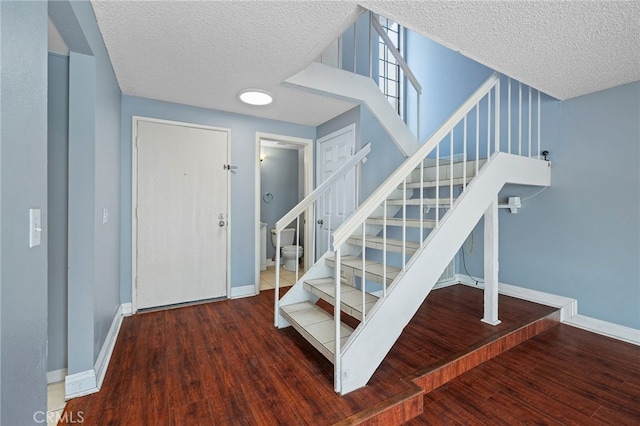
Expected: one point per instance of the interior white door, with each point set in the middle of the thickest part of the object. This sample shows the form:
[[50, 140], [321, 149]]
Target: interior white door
[[339, 202], [181, 214]]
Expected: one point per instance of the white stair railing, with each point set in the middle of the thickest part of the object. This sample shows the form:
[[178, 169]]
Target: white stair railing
[[350, 50], [327, 190], [461, 145]]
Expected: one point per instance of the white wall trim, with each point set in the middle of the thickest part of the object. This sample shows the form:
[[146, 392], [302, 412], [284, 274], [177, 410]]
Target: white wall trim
[[56, 376], [126, 309], [102, 362], [80, 384], [244, 291], [568, 307], [609, 329], [568, 310], [90, 381]]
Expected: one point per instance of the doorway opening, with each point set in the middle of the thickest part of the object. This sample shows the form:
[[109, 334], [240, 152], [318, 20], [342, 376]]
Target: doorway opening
[[283, 177]]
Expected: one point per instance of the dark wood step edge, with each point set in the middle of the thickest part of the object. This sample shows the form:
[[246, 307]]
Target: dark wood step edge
[[408, 404]]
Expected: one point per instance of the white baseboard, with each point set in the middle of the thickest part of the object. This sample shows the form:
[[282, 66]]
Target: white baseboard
[[56, 376], [80, 384], [568, 310], [568, 307], [90, 381], [620, 332], [127, 309], [270, 262], [102, 362], [244, 291]]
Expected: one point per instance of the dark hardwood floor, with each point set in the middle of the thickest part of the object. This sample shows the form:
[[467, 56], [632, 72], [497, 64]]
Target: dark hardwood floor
[[224, 363]]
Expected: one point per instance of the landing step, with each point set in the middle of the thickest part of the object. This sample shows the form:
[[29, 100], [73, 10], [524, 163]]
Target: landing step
[[316, 326], [402, 407], [398, 221], [350, 297], [379, 243], [427, 202], [374, 270]]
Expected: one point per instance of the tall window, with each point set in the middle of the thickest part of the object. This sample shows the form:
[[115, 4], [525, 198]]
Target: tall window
[[388, 67]]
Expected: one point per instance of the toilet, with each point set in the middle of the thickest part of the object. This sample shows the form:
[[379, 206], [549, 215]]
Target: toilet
[[290, 252]]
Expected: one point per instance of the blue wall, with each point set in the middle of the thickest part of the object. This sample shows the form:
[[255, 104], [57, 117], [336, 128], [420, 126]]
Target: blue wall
[[447, 79], [58, 198], [94, 166], [23, 183], [243, 134], [580, 238], [279, 176]]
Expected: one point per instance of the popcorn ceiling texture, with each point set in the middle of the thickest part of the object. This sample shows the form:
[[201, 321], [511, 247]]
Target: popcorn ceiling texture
[[203, 53], [564, 48]]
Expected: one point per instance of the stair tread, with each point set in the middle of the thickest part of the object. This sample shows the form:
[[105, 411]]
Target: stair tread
[[372, 269], [414, 245], [316, 326], [442, 182], [397, 221], [444, 201], [350, 297]]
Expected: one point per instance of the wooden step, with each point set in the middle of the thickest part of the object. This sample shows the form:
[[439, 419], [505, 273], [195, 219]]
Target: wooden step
[[350, 297], [427, 202], [374, 270], [397, 221], [316, 326], [378, 243]]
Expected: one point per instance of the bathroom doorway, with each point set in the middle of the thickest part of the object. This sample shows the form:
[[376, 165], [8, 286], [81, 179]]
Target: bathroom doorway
[[283, 177]]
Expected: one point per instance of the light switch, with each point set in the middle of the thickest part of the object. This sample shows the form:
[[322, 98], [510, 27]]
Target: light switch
[[105, 216], [35, 228]]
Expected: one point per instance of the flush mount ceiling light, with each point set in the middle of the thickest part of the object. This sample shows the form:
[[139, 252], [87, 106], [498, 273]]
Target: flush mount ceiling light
[[255, 97]]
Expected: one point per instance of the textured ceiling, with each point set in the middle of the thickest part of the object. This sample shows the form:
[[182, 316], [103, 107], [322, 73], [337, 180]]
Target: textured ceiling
[[203, 53]]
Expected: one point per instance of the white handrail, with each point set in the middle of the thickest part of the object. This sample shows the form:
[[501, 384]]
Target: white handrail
[[345, 230], [311, 198], [405, 67]]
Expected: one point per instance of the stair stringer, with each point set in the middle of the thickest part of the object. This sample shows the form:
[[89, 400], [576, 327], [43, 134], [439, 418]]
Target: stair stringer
[[330, 81], [371, 341]]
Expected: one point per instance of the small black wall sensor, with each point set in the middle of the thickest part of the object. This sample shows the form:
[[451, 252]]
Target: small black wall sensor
[[545, 154]]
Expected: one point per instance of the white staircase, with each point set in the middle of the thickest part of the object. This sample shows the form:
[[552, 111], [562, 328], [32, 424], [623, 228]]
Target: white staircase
[[387, 257]]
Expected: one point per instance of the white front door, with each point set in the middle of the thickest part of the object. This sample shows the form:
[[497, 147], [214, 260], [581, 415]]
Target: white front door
[[339, 202], [181, 214]]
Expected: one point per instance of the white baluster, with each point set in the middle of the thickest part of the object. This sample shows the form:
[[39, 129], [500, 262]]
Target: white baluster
[[451, 169], [337, 364], [277, 289], [519, 118], [384, 248], [464, 155], [530, 122], [497, 129], [509, 115]]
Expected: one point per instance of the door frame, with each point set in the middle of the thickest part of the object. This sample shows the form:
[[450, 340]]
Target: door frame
[[307, 145], [134, 198]]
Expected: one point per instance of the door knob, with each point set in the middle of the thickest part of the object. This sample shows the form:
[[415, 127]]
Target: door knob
[[320, 222], [221, 223]]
